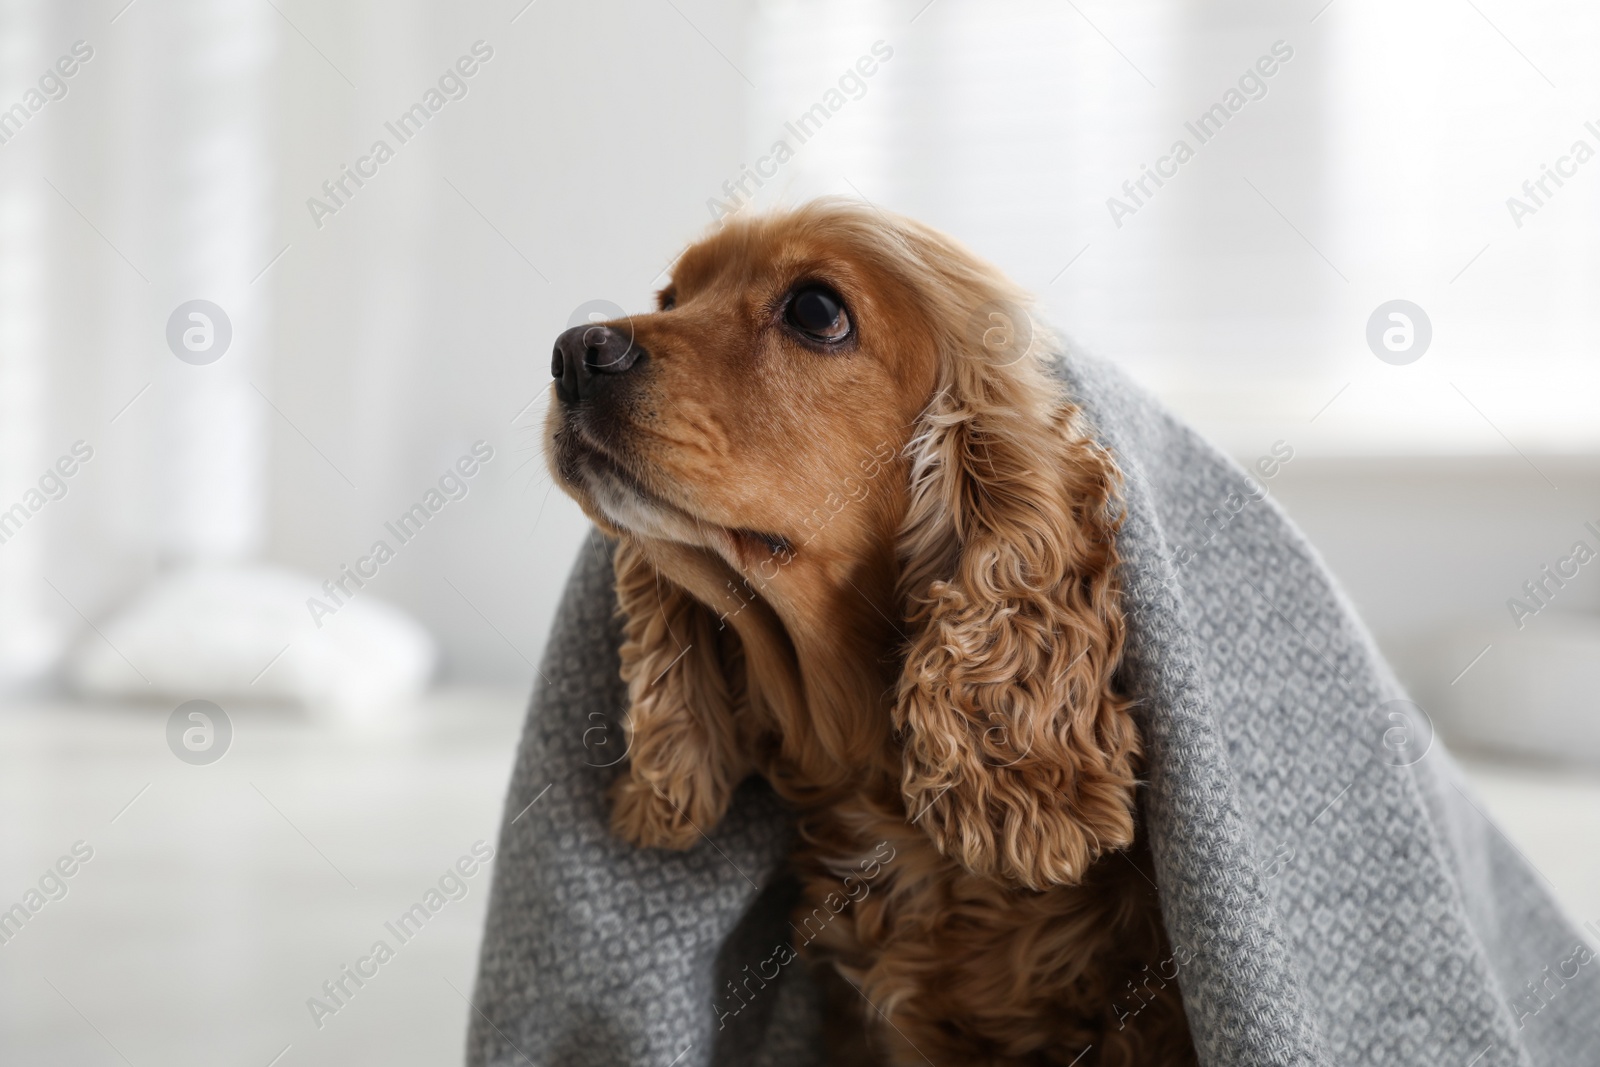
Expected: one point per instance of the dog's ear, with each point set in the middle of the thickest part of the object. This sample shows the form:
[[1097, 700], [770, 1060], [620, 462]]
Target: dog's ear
[[1019, 755], [685, 689]]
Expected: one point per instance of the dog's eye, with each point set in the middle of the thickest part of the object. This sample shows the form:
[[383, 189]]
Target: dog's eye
[[819, 314], [667, 301]]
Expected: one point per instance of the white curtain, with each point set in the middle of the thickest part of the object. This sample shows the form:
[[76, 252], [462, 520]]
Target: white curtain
[[1374, 163], [29, 637], [368, 354]]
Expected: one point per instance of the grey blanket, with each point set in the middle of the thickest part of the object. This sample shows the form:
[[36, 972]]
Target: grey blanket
[[1333, 893]]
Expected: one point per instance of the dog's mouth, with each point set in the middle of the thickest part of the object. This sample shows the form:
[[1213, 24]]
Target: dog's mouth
[[594, 471], [606, 476]]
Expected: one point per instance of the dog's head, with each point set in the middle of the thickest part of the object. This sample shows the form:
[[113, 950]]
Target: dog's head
[[788, 360], [838, 433]]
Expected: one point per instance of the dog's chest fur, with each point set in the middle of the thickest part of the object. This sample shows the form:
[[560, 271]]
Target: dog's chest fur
[[973, 972]]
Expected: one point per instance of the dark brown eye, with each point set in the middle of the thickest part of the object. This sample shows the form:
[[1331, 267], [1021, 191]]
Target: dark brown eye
[[667, 300], [819, 314]]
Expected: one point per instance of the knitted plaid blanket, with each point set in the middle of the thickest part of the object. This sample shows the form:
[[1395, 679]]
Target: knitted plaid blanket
[[1333, 894]]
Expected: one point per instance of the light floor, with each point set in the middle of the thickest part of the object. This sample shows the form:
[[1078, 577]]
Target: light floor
[[222, 898], [225, 895]]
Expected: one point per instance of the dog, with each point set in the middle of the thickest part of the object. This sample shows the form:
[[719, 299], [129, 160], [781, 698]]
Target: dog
[[866, 548]]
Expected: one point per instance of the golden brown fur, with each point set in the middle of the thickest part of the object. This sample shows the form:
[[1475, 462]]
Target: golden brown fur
[[883, 575]]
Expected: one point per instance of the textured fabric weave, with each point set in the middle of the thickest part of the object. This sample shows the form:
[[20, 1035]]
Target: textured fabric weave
[[1338, 900]]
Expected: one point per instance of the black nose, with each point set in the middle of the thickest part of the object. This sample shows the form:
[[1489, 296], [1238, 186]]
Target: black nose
[[586, 353]]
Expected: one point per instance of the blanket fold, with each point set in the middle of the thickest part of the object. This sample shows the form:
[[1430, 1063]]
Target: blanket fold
[[1333, 894]]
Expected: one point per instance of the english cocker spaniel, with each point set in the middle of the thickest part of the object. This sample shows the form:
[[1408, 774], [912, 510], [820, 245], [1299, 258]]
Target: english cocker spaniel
[[866, 549]]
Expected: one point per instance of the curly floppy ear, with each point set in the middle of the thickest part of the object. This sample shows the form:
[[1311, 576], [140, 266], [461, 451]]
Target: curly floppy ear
[[685, 682], [1019, 755]]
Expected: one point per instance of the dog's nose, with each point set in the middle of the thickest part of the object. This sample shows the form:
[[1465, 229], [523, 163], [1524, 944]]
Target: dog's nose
[[586, 353]]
